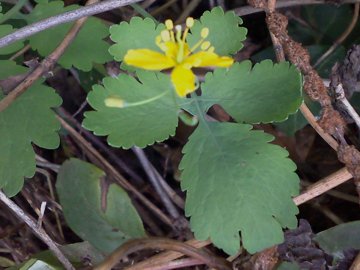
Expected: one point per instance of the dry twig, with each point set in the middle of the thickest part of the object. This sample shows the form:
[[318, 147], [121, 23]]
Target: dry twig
[[150, 171], [247, 10], [162, 243], [20, 214], [66, 17]]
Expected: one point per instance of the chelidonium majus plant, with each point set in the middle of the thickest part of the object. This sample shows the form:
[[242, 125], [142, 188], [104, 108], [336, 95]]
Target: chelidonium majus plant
[[239, 186]]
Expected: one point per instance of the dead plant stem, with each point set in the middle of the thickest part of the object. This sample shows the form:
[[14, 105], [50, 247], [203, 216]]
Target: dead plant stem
[[20, 214], [150, 171], [52, 195], [340, 97], [312, 121], [162, 243], [323, 185], [356, 264], [177, 264], [66, 17], [247, 10], [186, 12], [166, 256]]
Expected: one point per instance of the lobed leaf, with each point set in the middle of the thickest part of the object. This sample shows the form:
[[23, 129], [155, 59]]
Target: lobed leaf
[[139, 125], [297, 121], [105, 222], [265, 93], [29, 119], [87, 48], [238, 183], [4, 30], [225, 34], [143, 34], [9, 68], [340, 238], [79, 254]]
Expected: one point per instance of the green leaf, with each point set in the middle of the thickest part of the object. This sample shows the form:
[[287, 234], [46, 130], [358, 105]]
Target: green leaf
[[25, 266], [4, 30], [225, 34], [339, 238], [297, 121], [29, 119], [320, 24], [139, 125], [88, 79], [294, 123], [10, 68], [106, 228], [328, 22], [77, 254], [87, 48], [315, 51], [5, 262], [265, 93], [237, 182], [39, 265], [324, 68], [288, 266], [137, 34]]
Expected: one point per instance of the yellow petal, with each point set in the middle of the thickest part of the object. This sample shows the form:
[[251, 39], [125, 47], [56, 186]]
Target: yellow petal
[[183, 80], [208, 59], [171, 50], [148, 59]]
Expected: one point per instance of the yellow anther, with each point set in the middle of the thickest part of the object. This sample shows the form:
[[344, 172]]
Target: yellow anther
[[114, 102], [169, 24], [189, 22], [205, 45], [165, 35], [204, 32], [211, 49], [163, 47]]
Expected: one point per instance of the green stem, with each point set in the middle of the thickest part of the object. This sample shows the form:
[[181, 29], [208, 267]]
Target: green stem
[[143, 102], [15, 9], [139, 9], [198, 108]]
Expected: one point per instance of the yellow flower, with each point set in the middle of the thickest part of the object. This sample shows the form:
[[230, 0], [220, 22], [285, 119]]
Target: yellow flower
[[178, 55]]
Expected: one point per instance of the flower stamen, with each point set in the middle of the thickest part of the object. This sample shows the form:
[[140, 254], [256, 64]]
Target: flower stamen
[[189, 24], [211, 49], [170, 26], [165, 35], [205, 45], [178, 55], [204, 34], [159, 42]]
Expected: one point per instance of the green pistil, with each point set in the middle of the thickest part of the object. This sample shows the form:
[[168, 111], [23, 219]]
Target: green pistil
[[180, 55]]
